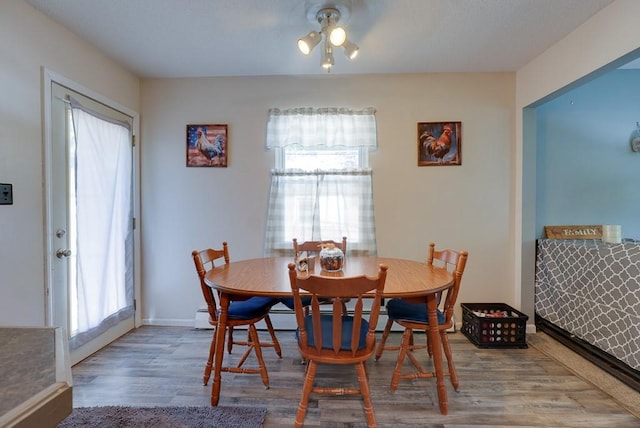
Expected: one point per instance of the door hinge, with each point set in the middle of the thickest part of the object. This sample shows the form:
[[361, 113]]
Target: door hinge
[[134, 304], [134, 223], [133, 140]]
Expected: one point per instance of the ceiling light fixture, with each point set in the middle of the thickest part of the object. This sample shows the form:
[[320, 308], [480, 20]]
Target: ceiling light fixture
[[335, 35]]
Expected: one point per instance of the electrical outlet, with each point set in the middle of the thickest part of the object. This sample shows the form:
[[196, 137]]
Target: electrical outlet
[[6, 194]]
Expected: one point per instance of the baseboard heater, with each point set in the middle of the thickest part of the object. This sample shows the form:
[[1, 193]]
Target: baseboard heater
[[202, 319]]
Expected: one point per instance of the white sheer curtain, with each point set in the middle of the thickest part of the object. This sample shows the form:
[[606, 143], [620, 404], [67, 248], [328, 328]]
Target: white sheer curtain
[[103, 212], [326, 203]]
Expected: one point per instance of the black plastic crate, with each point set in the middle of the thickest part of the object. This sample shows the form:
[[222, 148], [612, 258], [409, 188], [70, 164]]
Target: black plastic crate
[[494, 325]]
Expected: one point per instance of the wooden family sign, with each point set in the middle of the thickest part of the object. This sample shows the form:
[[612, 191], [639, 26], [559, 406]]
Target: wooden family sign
[[573, 232]]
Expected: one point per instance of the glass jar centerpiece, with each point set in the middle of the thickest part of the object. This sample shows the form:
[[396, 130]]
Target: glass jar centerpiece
[[331, 258]]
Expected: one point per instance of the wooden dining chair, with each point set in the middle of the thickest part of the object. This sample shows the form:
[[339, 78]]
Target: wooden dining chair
[[314, 247], [241, 313], [412, 315], [333, 336]]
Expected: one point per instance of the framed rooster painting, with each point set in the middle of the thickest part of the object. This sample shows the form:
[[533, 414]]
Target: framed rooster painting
[[439, 143], [207, 145]]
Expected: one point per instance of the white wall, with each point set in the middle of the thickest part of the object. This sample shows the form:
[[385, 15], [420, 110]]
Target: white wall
[[465, 207], [609, 35], [28, 41]]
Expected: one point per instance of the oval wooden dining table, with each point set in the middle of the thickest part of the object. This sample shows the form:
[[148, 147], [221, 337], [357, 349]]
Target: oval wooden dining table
[[270, 277]]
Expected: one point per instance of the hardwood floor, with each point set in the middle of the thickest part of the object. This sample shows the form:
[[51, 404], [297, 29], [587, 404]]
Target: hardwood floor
[[163, 366]]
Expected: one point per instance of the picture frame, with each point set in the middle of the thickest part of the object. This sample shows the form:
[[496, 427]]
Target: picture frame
[[439, 143], [207, 145]]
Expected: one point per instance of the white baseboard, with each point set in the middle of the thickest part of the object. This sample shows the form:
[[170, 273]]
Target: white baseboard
[[168, 322], [202, 320]]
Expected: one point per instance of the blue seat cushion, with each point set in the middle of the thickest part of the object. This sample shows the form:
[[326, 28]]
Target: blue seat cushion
[[288, 302], [250, 308], [401, 310], [326, 323]]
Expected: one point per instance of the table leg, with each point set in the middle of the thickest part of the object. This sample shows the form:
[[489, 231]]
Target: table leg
[[221, 330], [436, 346]]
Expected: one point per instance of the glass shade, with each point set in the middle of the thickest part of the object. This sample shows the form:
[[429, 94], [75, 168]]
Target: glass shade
[[308, 42], [327, 60], [327, 56], [350, 49]]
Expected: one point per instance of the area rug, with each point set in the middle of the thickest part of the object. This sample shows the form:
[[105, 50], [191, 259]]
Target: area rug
[[165, 417]]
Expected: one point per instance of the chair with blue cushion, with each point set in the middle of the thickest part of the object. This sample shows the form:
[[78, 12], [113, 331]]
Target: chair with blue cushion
[[330, 335], [242, 313], [312, 248], [412, 315]]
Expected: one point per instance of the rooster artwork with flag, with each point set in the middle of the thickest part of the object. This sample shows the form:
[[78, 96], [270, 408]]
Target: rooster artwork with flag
[[207, 145], [439, 143]]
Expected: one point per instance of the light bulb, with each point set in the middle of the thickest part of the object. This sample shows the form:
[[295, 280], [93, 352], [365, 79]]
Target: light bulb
[[337, 36]]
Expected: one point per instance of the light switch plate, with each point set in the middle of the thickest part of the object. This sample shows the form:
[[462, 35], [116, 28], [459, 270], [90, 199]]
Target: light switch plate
[[6, 194]]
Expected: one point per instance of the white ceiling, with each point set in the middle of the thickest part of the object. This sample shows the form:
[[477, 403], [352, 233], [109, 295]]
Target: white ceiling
[[197, 38]]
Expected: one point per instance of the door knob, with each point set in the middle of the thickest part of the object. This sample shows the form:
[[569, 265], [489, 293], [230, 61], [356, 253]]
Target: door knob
[[60, 253]]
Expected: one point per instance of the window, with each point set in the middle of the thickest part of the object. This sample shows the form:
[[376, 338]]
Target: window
[[313, 158], [321, 185]]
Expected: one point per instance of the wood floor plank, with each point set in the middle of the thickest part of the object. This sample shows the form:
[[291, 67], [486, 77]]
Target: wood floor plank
[[163, 366]]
